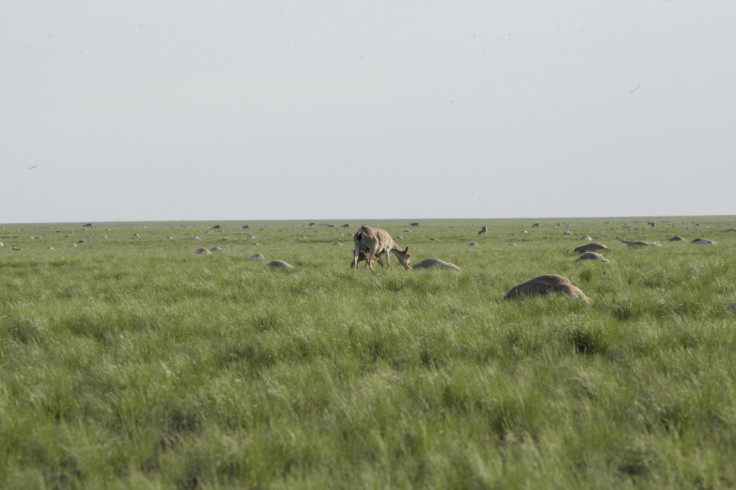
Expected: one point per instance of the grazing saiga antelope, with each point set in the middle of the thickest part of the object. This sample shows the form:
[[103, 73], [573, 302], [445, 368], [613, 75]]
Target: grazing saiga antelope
[[378, 242]]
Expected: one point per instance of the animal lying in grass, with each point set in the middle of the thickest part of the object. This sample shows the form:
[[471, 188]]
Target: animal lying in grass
[[592, 256], [378, 242], [590, 247], [703, 241], [544, 285], [280, 264], [639, 243], [434, 263]]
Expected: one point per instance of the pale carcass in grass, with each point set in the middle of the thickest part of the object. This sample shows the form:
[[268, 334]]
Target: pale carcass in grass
[[590, 247], [592, 256], [639, 243], [378, 242], [280, 264], [434, 263], [703, 241], [544, 285]]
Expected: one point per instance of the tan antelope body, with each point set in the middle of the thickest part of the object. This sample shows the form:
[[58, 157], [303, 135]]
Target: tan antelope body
[[280, 264], [434, 263], [544, 285], [364, 254], [592, 256], [638, 243], [590, 247], [703, 241], [378, 242]]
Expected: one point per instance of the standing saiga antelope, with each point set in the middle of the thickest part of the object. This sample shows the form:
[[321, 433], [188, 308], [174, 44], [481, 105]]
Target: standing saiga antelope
[[378, 242]]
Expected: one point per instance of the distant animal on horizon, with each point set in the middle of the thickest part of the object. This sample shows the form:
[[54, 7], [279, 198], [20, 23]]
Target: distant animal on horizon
[[363, 257], [434, 263], [378, 242], [638, 243], [544, 285]]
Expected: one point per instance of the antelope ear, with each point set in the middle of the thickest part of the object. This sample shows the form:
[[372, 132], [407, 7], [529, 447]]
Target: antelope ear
[[406, 250]]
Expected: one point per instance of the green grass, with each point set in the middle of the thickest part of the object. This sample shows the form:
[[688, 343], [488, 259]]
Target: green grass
[[134, 363]]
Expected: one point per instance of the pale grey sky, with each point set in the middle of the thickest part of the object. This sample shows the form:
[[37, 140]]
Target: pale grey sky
[[217, 110]]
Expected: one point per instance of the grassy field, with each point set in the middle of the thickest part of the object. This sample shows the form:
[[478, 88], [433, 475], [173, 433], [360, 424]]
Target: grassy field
[[129, 361]]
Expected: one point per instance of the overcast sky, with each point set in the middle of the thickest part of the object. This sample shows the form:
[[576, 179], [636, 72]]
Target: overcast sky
[[217, 110]]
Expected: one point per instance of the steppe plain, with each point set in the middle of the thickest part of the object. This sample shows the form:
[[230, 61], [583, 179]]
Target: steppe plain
[[130, 361]]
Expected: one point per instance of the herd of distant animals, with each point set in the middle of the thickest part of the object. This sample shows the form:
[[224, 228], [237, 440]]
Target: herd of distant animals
[[375, 244]]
